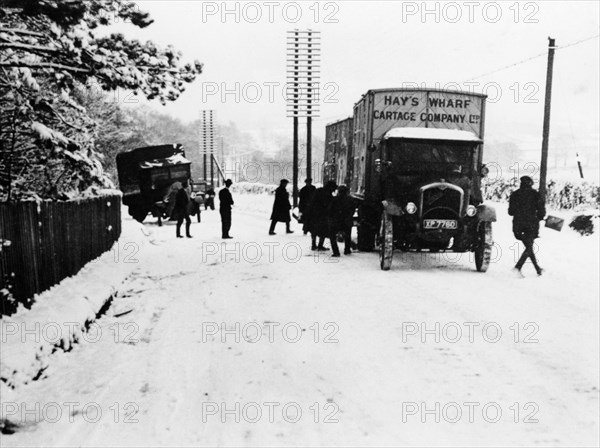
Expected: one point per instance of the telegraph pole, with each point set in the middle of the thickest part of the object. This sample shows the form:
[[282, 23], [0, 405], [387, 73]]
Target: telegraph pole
[[546, 130], [294, 164], [309, 146], [303, 68], [207, 144]]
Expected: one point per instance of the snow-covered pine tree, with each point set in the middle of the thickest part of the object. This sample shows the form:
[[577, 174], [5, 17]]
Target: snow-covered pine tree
[[48, 51]]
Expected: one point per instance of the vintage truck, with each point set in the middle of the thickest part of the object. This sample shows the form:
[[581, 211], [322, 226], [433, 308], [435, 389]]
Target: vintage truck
[[148, 178], [413, 161]]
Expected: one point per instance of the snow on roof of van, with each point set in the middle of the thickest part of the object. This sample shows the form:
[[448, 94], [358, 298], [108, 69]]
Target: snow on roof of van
[[432, 134]]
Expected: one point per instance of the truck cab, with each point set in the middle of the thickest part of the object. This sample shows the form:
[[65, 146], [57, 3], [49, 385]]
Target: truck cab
[[429, 180]]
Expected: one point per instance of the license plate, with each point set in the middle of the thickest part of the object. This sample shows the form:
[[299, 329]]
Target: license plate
[[440, 224]]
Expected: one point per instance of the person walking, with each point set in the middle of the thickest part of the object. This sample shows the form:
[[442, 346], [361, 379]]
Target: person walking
[[341, 219], [317, 215], [305, 196], [527, 209], [225, 203], [181, 210], [281, 208]]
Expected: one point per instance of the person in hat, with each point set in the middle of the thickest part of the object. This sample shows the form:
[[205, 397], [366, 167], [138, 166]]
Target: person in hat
[[281, 208], [318, 223], [305, 196], [225, 203], [341, 219], [181, 210], [527, 209], [210, 198]]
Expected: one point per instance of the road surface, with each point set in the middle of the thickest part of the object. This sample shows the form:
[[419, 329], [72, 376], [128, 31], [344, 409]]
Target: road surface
[[257, 341]]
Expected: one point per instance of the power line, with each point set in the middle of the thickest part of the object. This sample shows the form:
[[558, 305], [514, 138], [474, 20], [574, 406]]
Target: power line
[[533, 57], [578, 42]]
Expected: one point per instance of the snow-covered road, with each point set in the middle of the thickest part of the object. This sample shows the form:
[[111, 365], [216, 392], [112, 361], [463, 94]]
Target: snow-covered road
[[258, 342]]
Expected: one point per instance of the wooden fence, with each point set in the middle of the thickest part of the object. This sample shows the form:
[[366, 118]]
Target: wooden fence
[[41, 243]]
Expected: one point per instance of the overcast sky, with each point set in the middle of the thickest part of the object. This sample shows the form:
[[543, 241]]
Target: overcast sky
[[368, 45]]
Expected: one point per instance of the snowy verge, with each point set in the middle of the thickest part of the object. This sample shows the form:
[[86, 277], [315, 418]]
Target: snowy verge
[[61, 314]]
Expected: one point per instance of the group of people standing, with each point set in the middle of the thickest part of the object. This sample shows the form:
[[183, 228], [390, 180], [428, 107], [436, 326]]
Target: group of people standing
[[324, 215], [320, 212]]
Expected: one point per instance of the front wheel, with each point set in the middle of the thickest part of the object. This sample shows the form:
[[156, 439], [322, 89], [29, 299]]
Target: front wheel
[[386, 249], [483, 251]]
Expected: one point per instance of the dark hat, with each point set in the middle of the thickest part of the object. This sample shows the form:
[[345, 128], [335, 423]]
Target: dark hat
[[228, 182], [527, 180], [284, 181], [307, 180]]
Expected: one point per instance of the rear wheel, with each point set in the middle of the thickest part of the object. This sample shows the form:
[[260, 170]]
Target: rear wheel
[[386, 249], [483, 251]]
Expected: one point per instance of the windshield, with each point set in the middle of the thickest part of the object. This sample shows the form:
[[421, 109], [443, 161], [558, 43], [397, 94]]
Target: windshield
[[439, 156]]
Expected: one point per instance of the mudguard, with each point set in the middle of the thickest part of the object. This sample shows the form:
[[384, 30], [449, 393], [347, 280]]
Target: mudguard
[[486, 213], [391, 208]]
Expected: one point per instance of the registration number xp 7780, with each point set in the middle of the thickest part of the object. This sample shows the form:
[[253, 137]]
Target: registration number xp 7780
[[430, 224]]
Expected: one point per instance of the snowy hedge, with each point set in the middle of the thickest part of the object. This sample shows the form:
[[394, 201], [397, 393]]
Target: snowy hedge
[[560, 195]]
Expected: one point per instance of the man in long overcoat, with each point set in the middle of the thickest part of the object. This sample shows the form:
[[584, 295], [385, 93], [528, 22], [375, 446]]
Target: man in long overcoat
[[304, 197], [341, 219], [318, 209], [181, 210], [527, 210], [225, 203], [281, 208]]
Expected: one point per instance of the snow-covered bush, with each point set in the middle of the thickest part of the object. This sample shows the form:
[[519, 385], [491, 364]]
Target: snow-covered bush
[[584, 224], [560, 195]]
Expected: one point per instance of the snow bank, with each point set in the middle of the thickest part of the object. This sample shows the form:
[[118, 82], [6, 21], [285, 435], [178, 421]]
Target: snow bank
[[62, 314]]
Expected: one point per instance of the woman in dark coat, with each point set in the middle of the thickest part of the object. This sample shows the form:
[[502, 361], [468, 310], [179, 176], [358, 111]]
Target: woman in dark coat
[[318, 214], [281, 208]]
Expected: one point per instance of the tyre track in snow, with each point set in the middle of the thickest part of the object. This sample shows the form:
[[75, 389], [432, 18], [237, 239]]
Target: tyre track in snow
[[367, 374]]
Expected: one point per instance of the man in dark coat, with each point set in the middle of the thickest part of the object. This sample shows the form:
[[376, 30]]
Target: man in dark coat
[[527, 210], [181, 210], [281, 208], [317, 214], [210, 198], [225, 203], [306, 194], [341, 219]]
